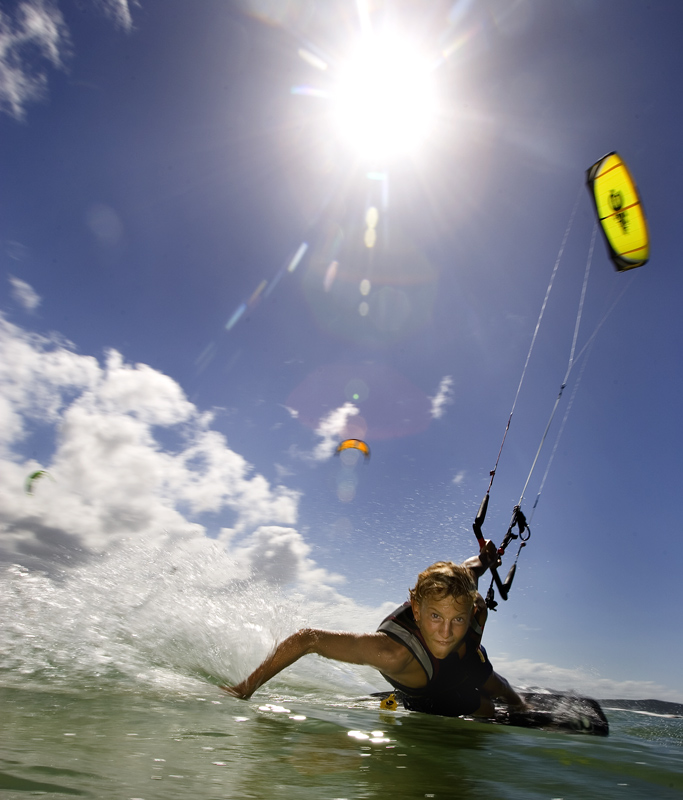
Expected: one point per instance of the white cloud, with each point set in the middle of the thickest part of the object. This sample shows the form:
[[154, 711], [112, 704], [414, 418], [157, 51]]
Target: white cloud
[[332, 428], [16, 250], [141, 391], [36, 33], [283, 472], [36, 379], [459, 477], [442, 398], [118, 10], [279, 556], [524, 672], [37, 26], [24, 294], [112, 477]]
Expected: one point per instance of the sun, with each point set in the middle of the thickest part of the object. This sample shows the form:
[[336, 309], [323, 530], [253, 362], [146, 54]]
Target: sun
[[384, 100]]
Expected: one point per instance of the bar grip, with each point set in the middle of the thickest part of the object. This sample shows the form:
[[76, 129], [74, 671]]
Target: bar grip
[[479, 520], [507, 583]]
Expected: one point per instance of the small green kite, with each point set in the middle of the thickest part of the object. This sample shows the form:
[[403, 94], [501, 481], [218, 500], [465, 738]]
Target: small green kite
[[33, 477]]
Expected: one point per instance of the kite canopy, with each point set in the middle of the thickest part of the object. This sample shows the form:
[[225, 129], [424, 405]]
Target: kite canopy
[[619, 211], [33, 477], [357, 444]]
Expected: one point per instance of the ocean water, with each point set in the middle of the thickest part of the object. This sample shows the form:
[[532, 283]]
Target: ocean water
[[108, 689]]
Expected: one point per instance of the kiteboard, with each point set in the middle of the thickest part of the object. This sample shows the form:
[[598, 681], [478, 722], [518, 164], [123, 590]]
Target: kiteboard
[[551, 711]]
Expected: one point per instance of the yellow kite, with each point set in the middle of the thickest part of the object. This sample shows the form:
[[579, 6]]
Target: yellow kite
[[620, 212]]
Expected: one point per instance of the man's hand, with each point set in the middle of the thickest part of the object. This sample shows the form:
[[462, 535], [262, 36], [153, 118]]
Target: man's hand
[[239, 691], [496, 687], [488, 557]]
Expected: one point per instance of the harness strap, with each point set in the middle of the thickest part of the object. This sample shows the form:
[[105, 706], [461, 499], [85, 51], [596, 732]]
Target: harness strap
[[402, 635]]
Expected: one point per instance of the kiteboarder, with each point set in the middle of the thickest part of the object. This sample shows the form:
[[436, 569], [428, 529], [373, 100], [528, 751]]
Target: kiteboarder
[[428, 649]]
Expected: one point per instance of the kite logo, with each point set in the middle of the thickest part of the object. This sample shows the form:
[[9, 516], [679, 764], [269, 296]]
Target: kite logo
[[616, 200]]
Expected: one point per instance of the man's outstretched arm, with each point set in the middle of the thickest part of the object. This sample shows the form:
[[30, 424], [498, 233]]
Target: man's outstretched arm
[[372, 649]]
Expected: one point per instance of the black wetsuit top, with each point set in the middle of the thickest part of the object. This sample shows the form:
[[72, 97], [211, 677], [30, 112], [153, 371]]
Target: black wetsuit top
[[454, 682]]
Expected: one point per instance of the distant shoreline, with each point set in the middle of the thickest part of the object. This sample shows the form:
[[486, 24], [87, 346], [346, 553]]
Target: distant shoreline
[[648, 706]]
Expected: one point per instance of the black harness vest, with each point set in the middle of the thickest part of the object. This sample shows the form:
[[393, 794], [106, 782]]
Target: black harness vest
[[453, 682]]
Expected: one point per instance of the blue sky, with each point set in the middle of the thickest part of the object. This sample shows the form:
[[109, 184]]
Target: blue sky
[[156, 168]]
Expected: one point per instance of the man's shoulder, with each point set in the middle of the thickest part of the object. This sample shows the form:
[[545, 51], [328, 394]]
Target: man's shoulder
[[397, 656], [403, 615]]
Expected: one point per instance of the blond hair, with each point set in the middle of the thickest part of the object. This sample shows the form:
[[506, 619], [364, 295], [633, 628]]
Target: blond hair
[[445, 579]]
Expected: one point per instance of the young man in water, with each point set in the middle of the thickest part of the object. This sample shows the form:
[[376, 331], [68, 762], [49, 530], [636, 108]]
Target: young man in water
[[429, 648]]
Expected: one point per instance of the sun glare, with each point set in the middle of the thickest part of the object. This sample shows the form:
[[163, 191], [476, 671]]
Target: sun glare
[[384, 100]]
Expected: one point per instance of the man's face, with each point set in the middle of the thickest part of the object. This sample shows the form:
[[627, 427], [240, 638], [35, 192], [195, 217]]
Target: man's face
[[443, 622]]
